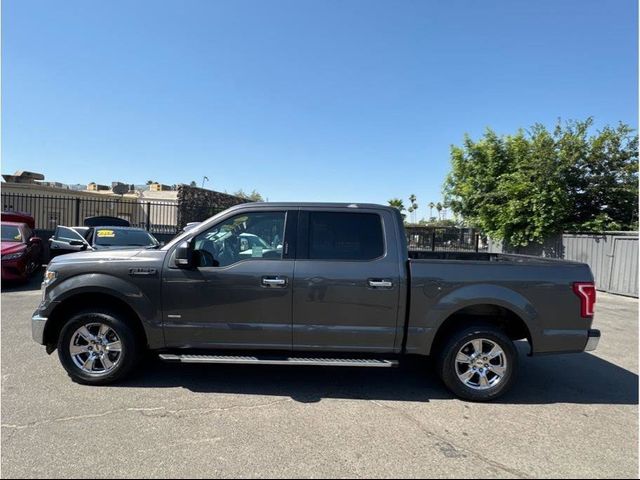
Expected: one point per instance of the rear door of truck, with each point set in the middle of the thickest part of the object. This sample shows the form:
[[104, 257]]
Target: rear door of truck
[[347, 281]]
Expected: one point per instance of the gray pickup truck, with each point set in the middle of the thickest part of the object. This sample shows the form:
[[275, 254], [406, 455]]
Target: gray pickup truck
[[312, 284]]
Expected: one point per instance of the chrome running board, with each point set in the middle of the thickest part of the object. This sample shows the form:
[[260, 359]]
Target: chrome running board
[[251, 360]]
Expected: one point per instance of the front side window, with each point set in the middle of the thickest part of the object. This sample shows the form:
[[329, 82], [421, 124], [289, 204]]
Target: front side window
[[345, 236], [257, 235], [66, 234]]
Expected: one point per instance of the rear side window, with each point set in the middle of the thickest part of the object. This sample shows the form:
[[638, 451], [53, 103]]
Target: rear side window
[[345, 236]]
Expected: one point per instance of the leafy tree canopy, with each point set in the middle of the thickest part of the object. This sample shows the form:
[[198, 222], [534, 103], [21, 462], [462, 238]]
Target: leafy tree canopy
[[254, 196], [521, 188]]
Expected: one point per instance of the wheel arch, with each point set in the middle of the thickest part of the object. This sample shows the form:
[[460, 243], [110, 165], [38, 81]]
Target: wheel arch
[[89, 299], [483, 303]]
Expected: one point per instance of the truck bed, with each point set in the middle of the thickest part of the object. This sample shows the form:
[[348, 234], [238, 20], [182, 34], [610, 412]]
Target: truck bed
[[482, 257], [535, 289]]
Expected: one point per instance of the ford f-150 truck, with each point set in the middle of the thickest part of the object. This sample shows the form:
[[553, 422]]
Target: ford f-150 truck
[[312, 284]]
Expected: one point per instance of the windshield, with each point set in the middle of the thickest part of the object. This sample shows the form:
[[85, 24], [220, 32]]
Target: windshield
[[114, 237], [11, 233]]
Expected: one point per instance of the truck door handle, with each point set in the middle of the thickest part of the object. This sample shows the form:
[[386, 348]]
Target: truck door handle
[[279, 282], [380, 283]]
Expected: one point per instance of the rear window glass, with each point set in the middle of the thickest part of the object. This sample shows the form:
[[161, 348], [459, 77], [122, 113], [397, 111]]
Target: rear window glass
[[345, 236], [114, 237]]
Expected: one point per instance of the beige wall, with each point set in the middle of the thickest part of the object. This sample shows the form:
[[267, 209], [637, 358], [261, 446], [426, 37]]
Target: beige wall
[[63, 209]]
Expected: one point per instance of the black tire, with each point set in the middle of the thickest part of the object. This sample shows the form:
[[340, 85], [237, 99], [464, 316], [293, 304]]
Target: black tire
[[447, 365], [128, 356]]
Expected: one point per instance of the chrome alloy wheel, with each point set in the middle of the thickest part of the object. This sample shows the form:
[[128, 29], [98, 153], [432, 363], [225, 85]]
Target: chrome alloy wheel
[[96, 349], [481, 364]]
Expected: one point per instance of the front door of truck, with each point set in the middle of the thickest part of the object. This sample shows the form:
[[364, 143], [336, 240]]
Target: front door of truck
[[239, 293], [347, 282]]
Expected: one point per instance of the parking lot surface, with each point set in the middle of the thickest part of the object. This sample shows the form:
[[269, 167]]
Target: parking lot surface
[[569, 415]]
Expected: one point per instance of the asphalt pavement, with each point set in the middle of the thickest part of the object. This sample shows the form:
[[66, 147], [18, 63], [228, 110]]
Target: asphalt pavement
[[568, 416]]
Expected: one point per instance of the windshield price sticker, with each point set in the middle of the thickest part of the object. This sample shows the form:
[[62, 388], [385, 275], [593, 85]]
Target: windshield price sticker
[[106, 234]]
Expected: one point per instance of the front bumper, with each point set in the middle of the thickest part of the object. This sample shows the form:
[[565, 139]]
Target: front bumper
[[13, 270], [37, 327], [593, 338]]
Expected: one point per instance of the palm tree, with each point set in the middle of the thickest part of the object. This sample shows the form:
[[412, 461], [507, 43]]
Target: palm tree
[[439, 207], [445, 208], [399, 204], [431, 207], [414, 205]]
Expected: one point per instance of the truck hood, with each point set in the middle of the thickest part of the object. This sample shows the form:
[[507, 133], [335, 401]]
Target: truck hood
[[12, 247], [97, 256]]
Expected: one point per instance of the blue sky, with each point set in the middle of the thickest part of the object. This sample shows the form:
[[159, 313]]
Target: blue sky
[[332, 100]]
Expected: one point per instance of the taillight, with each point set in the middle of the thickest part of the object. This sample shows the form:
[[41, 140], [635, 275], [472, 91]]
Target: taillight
[[586, 292]]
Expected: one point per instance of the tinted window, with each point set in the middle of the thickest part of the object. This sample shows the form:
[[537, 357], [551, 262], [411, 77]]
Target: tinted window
[[245, 236], [114, 237], [11, 233], [345, 236], [66, 234]]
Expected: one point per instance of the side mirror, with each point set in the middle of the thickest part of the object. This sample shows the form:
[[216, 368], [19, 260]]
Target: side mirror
[[78, 243], [184, 255]]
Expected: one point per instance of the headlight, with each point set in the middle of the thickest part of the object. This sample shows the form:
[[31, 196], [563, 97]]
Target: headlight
[[12, 256], [49, 276]]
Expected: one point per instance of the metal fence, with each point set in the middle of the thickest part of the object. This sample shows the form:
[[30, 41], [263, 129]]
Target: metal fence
[[612, 257], [157, 217], [162, 218], [445, 239]]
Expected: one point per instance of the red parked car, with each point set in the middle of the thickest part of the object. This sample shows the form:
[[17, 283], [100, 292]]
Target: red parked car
[[21, 251]]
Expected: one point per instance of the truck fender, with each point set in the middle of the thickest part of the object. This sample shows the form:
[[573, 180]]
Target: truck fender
[[147, 311], [479, 294]]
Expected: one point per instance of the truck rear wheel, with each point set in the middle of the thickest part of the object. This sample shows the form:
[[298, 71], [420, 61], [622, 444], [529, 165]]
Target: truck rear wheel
[[478, 363], [96, 347]]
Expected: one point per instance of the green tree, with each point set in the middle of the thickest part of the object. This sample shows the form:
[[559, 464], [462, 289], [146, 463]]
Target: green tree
[[193, 183], [524, 187], [439, 208], [414, 206], [399, 204], [440, 223], [254, 196], [431, 207]]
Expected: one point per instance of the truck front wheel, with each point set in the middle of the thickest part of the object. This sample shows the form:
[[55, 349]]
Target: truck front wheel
[[478, 363], [96, 347]]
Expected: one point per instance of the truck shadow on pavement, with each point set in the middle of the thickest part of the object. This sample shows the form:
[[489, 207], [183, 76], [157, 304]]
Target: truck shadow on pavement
[[575, 378]]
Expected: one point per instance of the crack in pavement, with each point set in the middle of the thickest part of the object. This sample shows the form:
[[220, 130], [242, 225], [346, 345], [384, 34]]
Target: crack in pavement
[[447, 448], [147, 412]]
